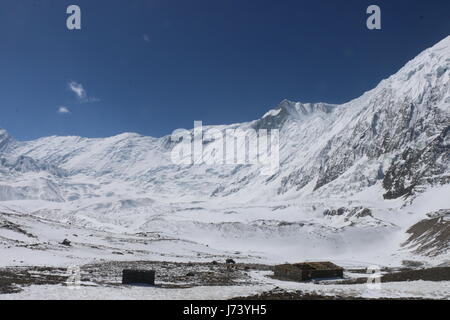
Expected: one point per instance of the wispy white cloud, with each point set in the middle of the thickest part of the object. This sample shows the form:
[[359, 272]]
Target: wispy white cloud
[[146, 37], [78, 89], [63, 110], [80, 92]]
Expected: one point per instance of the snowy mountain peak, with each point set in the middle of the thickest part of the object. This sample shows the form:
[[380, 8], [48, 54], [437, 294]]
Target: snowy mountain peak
[[290, 110], [298, 109], [4, 138], [3, 133]]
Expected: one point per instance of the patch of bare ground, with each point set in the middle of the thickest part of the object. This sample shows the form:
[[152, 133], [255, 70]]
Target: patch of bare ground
[[426, 274], [280, 294], [430, 237], [13, 279], [429, 274], [168, 274], [174, 274]]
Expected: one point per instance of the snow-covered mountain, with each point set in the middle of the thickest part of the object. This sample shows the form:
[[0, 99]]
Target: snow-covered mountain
[[353, 178]]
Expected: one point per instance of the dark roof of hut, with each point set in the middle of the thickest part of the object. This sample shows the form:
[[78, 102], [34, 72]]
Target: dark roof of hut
[[323, 265]]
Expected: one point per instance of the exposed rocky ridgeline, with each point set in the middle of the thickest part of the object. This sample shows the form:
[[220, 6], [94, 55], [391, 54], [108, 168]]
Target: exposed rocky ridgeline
[[357, 212], [415, 168]]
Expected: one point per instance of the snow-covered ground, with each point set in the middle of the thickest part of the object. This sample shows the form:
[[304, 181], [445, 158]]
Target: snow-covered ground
[[410, 289], [286, 231]]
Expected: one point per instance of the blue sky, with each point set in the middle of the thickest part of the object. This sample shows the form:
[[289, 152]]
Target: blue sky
[[151, 66]]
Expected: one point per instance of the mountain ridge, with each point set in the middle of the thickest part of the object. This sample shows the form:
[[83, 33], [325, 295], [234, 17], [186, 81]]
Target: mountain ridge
[[381, 121]]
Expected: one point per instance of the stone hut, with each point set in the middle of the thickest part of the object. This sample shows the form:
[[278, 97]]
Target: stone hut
[[130, 276], [308, 271]]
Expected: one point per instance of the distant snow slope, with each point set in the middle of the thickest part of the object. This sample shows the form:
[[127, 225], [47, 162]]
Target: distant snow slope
[[353, 179]]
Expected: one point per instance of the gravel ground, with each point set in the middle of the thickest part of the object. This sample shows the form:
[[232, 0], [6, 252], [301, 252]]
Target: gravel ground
[[174, 275]]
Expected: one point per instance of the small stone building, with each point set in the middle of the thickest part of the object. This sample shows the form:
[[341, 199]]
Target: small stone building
[[308, 270], [130, 276]]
